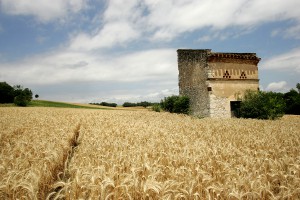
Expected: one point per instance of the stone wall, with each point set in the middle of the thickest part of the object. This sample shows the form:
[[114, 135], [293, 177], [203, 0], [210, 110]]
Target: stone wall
[[224, 91], [230, 88], [219, 107], [192, 67]]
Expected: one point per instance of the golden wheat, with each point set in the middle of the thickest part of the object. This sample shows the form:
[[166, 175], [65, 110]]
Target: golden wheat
[[114, 154]]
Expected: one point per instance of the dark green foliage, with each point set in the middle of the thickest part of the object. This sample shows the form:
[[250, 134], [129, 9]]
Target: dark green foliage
[[262, 105], [176, 104], [6, 93], [21, 100], [182, 105], [28, 94], [143, 103], [16, 94], [108, 104], [105, 104], [167, 103], [292, 100], [128, 104], [22, 96], [298, 87]]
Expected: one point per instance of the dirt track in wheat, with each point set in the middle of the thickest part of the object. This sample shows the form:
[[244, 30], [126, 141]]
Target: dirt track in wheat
[[113, 154]]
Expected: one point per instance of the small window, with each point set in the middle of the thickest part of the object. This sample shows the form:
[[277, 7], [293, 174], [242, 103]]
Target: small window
[[209, 89], [226, 75], [243, 76]]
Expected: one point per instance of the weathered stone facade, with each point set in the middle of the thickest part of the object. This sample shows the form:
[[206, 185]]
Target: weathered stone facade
[[215, 81]]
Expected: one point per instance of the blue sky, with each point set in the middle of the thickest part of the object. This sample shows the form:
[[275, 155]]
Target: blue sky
[[125, 50]]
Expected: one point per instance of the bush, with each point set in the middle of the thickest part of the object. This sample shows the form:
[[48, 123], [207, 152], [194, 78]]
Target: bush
[[181, 105], [21, 100], [176, 104], [168, 103], [262, 105], [156, 107]]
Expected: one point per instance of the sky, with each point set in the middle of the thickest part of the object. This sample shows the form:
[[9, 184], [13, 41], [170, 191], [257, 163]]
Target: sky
[[125, 50]]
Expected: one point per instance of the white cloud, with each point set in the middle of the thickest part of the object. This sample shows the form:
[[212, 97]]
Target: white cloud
[[122, 23], [293, 32], [287, 61], [278, 86], [111, 34], [43, 10], [169, 19], [67, 66], [126, 21]]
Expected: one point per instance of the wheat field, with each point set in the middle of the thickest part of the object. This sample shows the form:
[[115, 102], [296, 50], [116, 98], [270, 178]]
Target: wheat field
[[56, 153]]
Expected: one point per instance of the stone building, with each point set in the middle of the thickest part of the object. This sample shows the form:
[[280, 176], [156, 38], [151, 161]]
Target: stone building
[[215, 82]]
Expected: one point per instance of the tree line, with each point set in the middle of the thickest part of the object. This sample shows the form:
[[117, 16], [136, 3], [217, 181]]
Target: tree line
[[270, 105], [105, 104], [254, 104], [15, 94]]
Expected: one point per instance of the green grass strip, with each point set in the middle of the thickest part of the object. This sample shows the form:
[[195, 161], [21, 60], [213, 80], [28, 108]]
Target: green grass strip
[[43, 103]]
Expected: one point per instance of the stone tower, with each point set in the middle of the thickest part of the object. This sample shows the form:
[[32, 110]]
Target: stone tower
[[214, 81]]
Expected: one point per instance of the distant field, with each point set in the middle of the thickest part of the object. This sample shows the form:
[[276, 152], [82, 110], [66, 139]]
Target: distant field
[[65, 153], [45, 103]]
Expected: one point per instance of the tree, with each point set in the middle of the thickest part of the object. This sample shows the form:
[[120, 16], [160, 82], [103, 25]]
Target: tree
[[27, 93], [292, 100], [6, 93], [22, 96], [108, 104], [262, 105], [298, 87], [176, 104], [129, 104], [182, 105], [21, 100], [168, 103], [145, 104], [16, 94]]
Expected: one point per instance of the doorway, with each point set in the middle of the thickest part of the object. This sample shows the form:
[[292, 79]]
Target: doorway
[[235, 108]]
